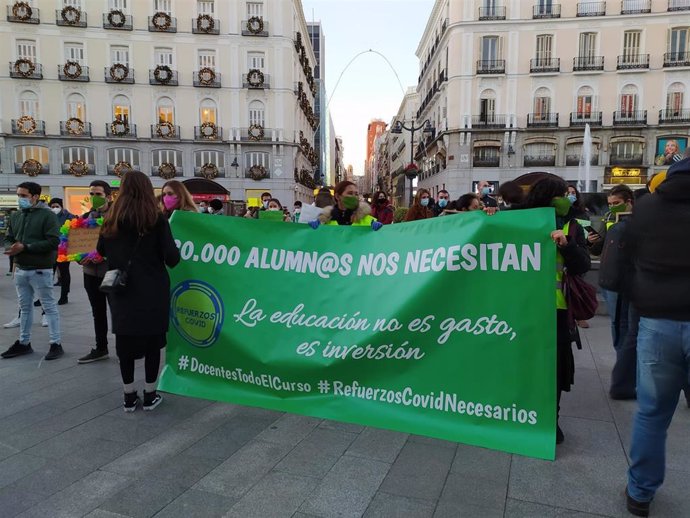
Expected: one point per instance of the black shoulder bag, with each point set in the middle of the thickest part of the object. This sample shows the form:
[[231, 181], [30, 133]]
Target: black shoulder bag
[[115, 281]]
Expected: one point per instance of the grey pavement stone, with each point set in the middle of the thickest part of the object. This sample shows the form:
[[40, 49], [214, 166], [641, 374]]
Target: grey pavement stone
[[181, 469], [290, 429], [385, 505], [520, 509], [347, 489], [13, 501], [100, 513], [328, 424], [197, 503], [6, 451], [450, 510], [420, 471], [374, 443], [18, 466], [432, 441], [317, 453], [277, 495], [591, 401], [480, 462], [53, 476], [463, 490], [144, 497], [672, 498], [235, 476]]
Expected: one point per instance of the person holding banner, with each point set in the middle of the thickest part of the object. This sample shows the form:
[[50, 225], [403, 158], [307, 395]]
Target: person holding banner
[[420, 207], [573, 256], [136, 238], [175, 196], [348, 209]]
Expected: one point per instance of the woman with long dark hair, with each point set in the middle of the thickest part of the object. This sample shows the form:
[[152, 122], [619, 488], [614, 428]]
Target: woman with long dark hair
[[136, 238], [349, 209], [175, 196], [573, 257], [381, 208], [420, 207]]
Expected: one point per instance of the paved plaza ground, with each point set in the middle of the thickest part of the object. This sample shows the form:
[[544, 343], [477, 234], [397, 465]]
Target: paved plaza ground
[[68, 450]]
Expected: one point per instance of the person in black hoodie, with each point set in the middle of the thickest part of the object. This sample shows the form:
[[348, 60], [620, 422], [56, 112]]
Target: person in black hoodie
[[660, 252]]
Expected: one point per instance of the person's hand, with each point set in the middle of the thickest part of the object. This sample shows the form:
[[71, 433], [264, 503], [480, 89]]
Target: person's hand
[[376, 225], [314, 224], [490, 211], [16, 248], [559, 238], [593, 238]]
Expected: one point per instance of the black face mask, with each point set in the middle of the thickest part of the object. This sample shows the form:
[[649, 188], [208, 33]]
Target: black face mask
[[381, 200]]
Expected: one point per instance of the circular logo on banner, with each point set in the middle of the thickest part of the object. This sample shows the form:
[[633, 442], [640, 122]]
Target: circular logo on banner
[[197, 312]]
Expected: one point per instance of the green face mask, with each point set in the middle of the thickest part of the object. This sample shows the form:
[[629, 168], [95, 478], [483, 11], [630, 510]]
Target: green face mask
[[350, 202], [97, 202], [615, 209], [562, 206]]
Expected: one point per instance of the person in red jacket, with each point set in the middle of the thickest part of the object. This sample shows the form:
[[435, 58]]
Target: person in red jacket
[[381, 208]]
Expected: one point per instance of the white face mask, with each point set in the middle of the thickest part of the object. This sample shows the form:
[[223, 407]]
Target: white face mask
[[56, 210], [273, 209]]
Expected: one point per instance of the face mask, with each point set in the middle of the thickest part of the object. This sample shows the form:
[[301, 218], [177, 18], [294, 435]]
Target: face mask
[[615, 209], [350, 202], [382, 200], [24, 203], [210, 210], [265, 204], [202, 209], [486, 191], [572, 198], [442, 202], [170, 201], [273, 209], [562, 206], [424, 202], [97, 202], [297, 211], [56, 210]]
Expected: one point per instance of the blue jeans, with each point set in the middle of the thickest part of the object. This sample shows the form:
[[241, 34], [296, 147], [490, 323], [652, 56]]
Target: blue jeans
[[663, 368], [617, 308], [40, 284]]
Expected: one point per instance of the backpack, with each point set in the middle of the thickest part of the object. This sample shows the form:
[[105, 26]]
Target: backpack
[[580, 295], [615, 268]]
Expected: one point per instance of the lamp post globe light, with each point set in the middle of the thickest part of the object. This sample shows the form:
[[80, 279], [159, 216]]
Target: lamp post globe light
[[412, 170]]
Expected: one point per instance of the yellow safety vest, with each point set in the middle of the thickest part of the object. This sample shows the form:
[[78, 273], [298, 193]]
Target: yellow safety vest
[[560, 267]]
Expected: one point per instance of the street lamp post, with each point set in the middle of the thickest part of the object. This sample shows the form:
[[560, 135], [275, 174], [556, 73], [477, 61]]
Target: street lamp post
[[427, 129]]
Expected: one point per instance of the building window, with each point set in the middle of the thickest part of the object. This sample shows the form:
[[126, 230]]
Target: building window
[[256, 158], [587, 45], [118, 154], [585, 102], [202, 158], [72, 3], [255, 60], [207, 59], [162, 6], [208, 112], [70, 154], [491, 48], [165, 110], [631, 44], [678, 42], [573, 154], [255, 9], [628, 100], [122, 5], [540, 154], [163, 56], [75, 52], [256, 113], [486, 157], [28, 104], [542, 103], [119, 54], [487, 105], [544, 49], [76, 107], [26, 49], [626, 152], [121, 108], [170, 156], [205, 7], [674, 99], [24, 153]]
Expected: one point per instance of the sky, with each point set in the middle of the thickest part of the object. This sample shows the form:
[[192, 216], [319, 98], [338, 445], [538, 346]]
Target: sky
[[368, 88]]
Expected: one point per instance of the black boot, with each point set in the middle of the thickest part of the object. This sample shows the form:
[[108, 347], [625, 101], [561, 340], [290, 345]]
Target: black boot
[[131, 401]]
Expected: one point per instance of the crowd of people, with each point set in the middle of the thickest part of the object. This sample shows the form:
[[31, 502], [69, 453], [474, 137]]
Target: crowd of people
[[645, 278]]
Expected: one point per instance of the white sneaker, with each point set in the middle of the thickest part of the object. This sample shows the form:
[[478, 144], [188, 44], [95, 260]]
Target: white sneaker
[[44, 321], [12, 323]]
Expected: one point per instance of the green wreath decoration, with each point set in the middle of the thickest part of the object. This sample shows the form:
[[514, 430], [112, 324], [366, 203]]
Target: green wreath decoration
[[31, 167], [255, 77], [209, 171], [119, 72], [75, 126], [121, 18], [163, 74], [72, 69], [207, 76], [121, 168], [257, 172], [70, 15], [256, 132], [78, 168], [165, 129], [22, 11], [161, 21], [119, 128], [167, 171], [255, 25], [205, 23], [24, 67], [209, 130]]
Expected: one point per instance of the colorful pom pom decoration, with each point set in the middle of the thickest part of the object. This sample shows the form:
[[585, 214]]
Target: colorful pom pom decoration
[[63, 257]]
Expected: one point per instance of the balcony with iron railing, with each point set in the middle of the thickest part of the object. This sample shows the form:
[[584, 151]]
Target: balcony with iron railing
[[28, 126], [163, 76], [70, 17], [123, 131], [588, 63], [491, 66], [674, 116], [539, 160], [591, 8], [21, 12], [117, 21], [489, 121], [162, 22], [572, 160], [25, 69], [256, 134], [432, 52], [581, 119], [544, 65], [208, 133], [636, 6], [164, 131], [497, 12], [626, 159], [199, 172], [72, 72], [205, 80], [119, 73], [542, 120], [630, 118], [90, 169], [546, 10], [676, 59], [678, 5], [71, 129], [486, 161], [256, 174], [632, 61], [205, 24], [257, 81], [179, 170], [255, 26]]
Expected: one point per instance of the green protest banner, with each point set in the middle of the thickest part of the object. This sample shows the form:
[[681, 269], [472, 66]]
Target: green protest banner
[[443, 327]]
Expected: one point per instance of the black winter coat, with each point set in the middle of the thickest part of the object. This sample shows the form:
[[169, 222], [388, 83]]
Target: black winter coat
[[143, 307], [657, 241]]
